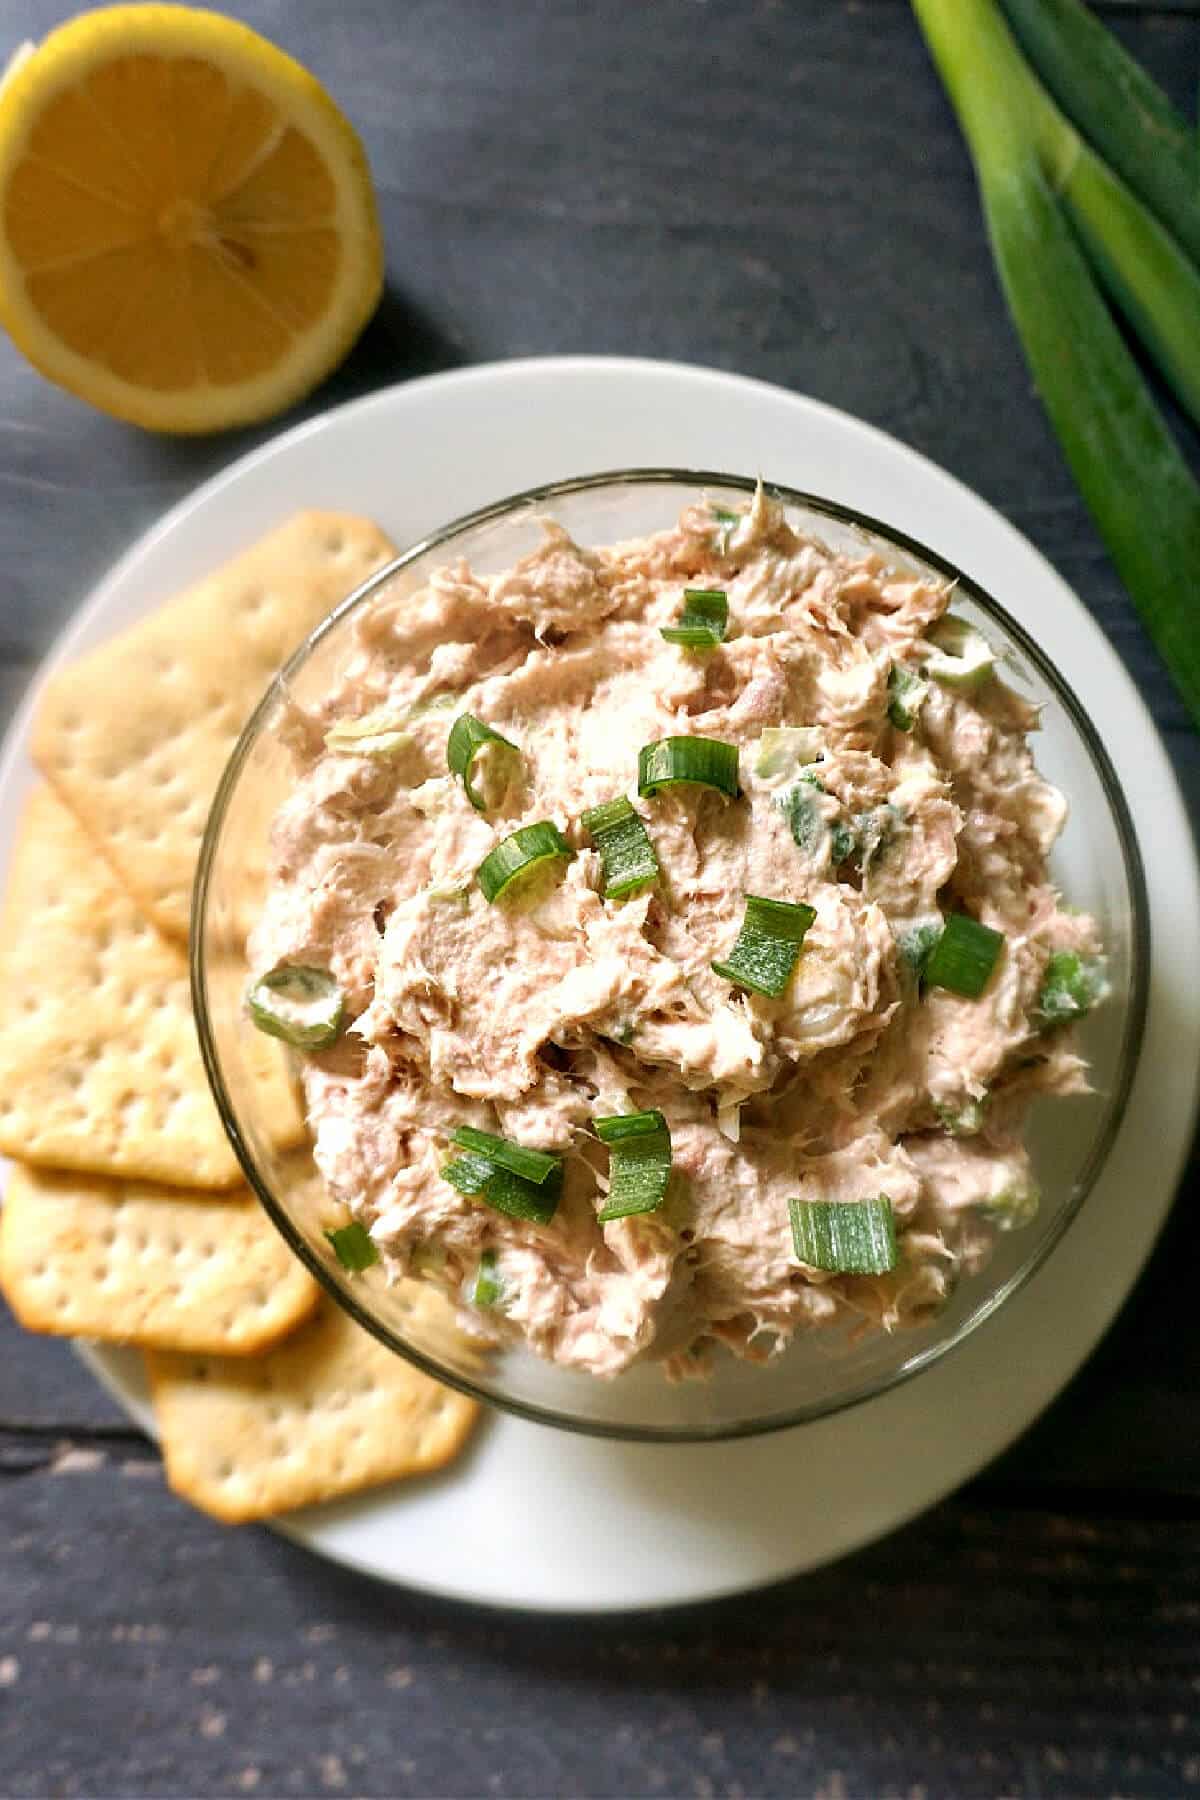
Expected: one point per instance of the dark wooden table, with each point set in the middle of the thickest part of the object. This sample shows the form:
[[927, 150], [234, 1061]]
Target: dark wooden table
[[776, 188]]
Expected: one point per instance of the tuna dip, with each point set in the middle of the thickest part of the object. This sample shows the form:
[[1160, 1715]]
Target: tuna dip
[[667, 934]]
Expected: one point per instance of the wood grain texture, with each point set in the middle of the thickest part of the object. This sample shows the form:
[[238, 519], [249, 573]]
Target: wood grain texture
[[778, 189]]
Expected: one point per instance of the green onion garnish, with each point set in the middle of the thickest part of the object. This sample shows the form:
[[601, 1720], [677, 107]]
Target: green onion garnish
[[537, 1166], [682, 761], [354, 1247], [846, 1237], [488, 1287], [626, 854], [468, 736], [298, 1003], [916, 945], [799, 806], [961, 656], [783, 749], [961, 1121], [1070, 987], [768, 945], [505, 1192], [703, 622], [639, 1163], [964, 956], [728, 522], [517, 856], [906, 696], [377, 734]]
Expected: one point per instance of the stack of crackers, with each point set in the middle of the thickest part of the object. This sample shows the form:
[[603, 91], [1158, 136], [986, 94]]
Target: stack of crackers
[[125, 1219]]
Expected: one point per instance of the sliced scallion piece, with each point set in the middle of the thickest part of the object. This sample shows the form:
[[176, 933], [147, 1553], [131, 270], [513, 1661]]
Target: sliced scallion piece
[[688, 761], [703, 622], [1071, 986], [538, 1166], [961, 1121], [964, 956], [906, 696], [846, 1237], [916, 945], [626, 854], [784, 748], [354, 1247], [468, 736], [727, 523], [488, 1287], [802, 811], [378, 734], [518, 855], [639, 1163], [768, 945], [298, 1003], [961, 656], [503, 1191]]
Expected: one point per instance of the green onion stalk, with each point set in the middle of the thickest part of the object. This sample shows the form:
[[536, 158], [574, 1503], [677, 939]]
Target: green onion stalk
[[1052, 208]]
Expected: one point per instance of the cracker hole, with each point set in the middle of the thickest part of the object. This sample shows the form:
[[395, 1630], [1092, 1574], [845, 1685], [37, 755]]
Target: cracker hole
[[335, 542]]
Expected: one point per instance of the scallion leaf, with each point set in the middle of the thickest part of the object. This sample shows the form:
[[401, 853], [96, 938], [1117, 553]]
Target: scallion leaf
[[1031, 165], [538, 1166], [517, 856], [639, 1163], [1071, 986], [964, 956], [906, 696], [468, 737], [728, 523], [302, 1005], [845, 1237], [503, 1191], [916, 945], [784, 749], [703, 622], [379, 734], [961, 656], [488, 1288], [627, 856], [688, 761], [768, 945], [354, 1247]]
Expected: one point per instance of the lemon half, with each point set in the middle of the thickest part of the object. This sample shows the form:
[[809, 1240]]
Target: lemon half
[[188, 232]]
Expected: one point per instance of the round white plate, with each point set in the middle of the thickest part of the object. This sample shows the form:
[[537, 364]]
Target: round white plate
[[534, 1517]]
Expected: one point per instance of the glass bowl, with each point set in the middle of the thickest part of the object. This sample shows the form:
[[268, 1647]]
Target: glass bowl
[[1095, 864]]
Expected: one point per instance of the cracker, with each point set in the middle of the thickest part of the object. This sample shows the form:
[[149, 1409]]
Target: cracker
[[327, 1413], [100, 1067], [135, 736], [129, 1263]]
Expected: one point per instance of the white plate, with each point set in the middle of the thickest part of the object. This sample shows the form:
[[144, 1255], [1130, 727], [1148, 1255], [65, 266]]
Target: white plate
[[534, 1517]]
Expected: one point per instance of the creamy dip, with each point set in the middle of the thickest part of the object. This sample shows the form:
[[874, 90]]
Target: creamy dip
[[912, 796]]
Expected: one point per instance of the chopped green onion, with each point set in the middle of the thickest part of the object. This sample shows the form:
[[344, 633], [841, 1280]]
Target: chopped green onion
[[873, 832], [1071, 986], [729, 522], [518, 855], [964, 956], [354, 1247], [468, 736], [639, 1163], [804, 816], [783, 749], [1117, 105], [961, 657], [1034, 171], [961, 1121], [302, 1005], [843, 843], [846, 1237], [703, 622], [482, 1179], [917, 944], [378, 734], [764, 957], [538, 1166], [906, 696], [683, 761], [1011, 1207], [627, 856], [488, 1287]]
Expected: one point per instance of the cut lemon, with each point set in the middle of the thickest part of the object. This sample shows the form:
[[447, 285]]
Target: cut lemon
[[188, 233]]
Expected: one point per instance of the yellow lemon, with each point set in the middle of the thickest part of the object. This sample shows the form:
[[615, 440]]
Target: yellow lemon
[[188, 233]]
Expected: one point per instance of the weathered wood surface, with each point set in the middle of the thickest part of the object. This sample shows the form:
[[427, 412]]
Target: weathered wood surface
[[779, 189]]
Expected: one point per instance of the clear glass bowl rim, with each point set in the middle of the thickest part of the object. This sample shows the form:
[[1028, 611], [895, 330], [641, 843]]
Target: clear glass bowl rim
[[699, 479]]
